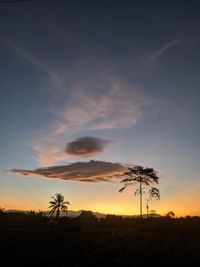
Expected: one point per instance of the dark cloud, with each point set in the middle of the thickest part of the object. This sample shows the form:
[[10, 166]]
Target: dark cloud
[[87, 146], [92, 171]]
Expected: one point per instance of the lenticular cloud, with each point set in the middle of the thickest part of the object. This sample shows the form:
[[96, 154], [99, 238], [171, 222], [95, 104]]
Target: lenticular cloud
[[87, 146], [92, 171]]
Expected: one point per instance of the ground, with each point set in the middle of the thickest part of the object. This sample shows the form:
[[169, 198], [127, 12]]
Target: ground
[[37, 241]]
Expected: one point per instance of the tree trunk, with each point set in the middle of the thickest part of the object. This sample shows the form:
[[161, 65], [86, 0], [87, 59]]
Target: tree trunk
[[147, 208], [140, 199], [57, 213]]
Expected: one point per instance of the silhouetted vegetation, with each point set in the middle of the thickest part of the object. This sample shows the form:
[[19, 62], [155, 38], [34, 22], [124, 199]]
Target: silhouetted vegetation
[[58, 204], [144, 177], [33, 239], [170, 214]]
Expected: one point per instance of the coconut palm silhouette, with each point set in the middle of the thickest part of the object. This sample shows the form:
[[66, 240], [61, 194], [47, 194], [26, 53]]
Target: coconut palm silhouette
[[145, 177], [58, 204]]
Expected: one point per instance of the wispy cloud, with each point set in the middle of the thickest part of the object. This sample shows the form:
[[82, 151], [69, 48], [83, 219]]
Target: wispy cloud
[[163, 49], [47, 154], [52, 75], [92, 171], [113, 105], [96, 101]]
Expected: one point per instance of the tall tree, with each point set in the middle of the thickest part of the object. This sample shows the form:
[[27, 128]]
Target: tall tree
[[58, 204], [145, 177]]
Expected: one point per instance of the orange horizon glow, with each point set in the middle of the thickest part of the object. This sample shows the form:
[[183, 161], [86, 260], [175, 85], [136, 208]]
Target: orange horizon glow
[[109, 209], [83, 196]]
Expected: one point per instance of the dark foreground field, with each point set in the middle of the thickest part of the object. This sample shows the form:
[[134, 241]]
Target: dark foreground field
[[34, 240]]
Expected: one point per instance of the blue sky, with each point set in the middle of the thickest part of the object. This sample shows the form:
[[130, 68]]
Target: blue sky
[[111, 70]]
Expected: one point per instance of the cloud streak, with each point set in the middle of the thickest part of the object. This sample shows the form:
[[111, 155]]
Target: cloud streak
[[53, 77], [48, 155], [92, 171], [163, 49], [105, 103]]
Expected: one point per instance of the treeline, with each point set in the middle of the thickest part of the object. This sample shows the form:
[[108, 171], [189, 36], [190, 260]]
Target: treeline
[[88, 219]]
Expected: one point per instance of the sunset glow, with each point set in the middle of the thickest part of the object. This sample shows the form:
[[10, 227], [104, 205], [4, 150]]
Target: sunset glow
[[89, 89]]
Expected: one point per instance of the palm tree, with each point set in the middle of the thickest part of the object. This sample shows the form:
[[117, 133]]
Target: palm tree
[[143, 176], [58, 204]]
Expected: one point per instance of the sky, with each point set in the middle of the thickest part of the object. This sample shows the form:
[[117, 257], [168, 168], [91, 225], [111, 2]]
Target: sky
[[105, 83]]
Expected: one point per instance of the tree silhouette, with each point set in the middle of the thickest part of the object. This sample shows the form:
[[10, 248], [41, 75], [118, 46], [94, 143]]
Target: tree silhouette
[[145, 177], [153, 193], [87, 217], [170, 214], [2, 210], [58, 204]]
